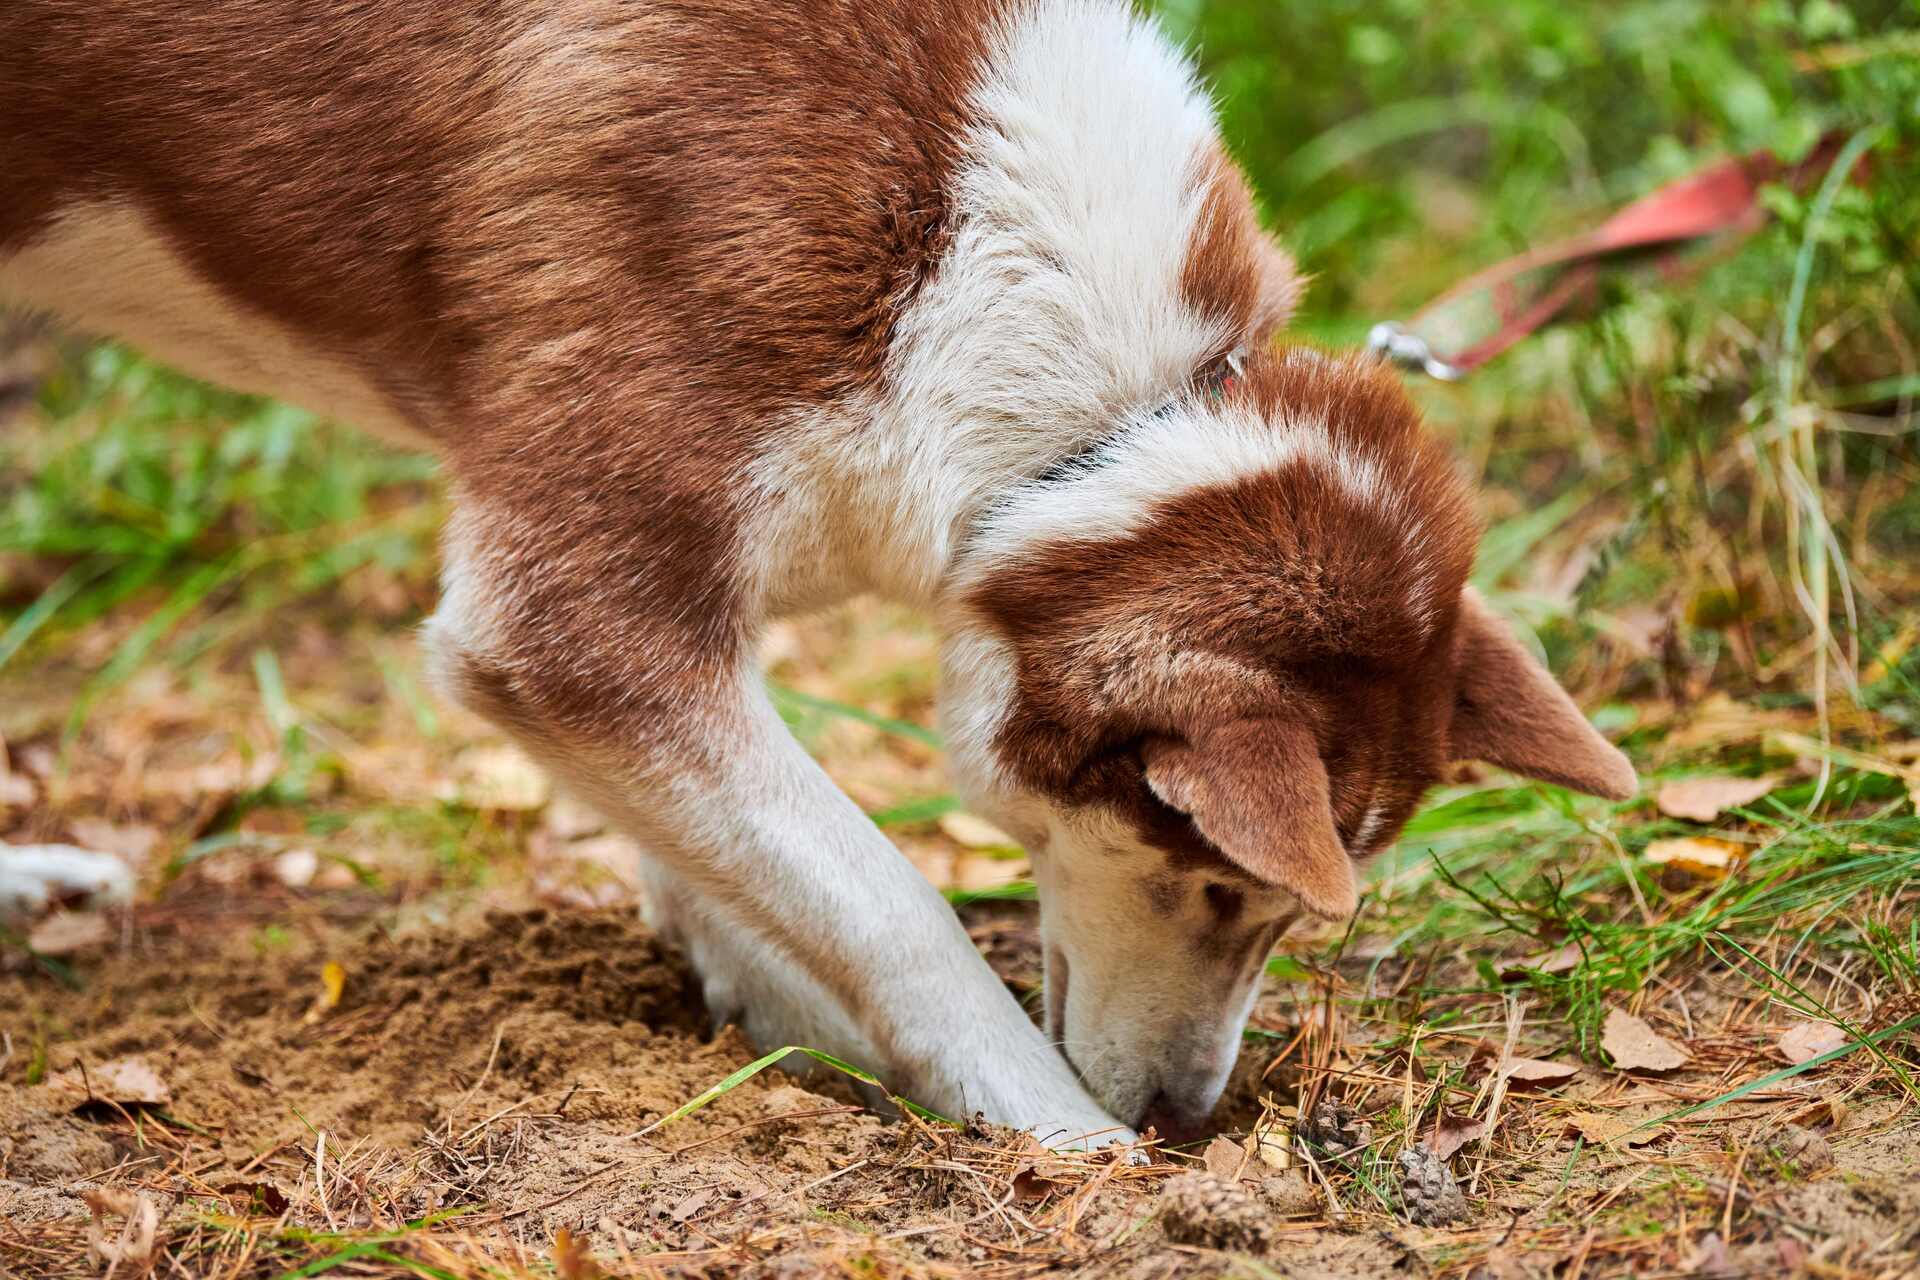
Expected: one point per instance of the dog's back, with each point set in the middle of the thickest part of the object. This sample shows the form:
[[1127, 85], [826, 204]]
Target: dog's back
[[375, 205]]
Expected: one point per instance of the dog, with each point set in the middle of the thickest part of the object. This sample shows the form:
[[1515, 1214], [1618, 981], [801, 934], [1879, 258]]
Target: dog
[[717, 311]]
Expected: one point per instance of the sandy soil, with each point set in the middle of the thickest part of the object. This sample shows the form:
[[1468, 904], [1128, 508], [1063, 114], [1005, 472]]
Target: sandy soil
[[502, 1069]]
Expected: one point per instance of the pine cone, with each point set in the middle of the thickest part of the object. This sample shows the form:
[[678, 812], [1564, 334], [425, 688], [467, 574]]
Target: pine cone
[[1335, 1129], [1200, 1209], [1428, 1194]]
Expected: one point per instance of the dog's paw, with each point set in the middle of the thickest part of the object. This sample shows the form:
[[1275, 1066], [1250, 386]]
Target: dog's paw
[[35, 878]]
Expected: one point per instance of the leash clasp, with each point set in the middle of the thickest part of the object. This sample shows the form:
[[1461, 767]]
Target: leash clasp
[[1392, 341]]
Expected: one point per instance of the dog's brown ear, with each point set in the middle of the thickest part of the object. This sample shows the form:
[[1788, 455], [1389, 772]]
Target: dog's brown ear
[[1257, 791], [1508, 710]]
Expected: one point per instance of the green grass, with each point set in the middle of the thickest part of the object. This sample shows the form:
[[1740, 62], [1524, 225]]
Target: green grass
[[190, 507]]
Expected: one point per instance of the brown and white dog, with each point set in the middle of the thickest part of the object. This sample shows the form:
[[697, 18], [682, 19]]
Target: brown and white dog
[[722, 309]]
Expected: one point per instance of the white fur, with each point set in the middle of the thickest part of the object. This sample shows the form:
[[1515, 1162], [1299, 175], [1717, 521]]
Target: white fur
[[104, 268], [1056, 312], [1147, 1011]]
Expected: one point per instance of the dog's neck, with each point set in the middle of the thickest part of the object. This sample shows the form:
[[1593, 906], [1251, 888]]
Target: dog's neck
[[1063, 313]]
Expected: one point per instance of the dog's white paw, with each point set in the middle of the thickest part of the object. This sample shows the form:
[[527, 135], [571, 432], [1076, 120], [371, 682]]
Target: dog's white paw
[[35, 878]]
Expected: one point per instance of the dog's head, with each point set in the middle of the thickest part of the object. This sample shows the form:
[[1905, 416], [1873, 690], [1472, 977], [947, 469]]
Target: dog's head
[[1203, 671]]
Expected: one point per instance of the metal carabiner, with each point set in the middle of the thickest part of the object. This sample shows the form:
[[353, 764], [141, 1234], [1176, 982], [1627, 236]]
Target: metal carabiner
[[1390, 340]]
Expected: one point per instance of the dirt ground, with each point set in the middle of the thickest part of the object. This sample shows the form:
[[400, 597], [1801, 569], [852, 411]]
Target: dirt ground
[[484, 1086]]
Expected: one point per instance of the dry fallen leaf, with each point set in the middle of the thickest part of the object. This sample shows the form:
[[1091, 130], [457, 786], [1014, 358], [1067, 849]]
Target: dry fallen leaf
[[1804, 1041], [500, 778], [977, 873], [333, 985], [132, 843], [1450, 1133], [1635, 1046], [975, 833], [16, 790], [138, 1237], [573, 1258], [296, 868], [260, 1199], [1704, 799], [1532, 1073], [65, 932], [1596, 1126], [1562, 959], [1699, 857], [1226, 1159], [127, 1081]]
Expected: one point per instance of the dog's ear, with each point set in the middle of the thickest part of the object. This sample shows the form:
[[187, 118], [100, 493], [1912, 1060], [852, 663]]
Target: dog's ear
[[1508, 710], [1257, 790]]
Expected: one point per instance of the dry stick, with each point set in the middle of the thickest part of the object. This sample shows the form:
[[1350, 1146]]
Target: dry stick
[[1580, 1254], [320, 1175], [1335, 1211], [1516, 1014], [1726, 1215], [493, 1053]]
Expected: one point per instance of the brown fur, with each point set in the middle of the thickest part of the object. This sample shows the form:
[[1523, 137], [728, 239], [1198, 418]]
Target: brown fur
[[590, 246], [1510, 711], [1257, 790], [1235, 274], [1279, 596]]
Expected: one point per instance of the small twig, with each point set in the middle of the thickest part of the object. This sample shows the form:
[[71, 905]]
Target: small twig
[[320, 1177], [492, 1054]]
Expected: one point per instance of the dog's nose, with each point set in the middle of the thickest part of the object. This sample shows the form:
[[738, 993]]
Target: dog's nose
[[1175, 1124]]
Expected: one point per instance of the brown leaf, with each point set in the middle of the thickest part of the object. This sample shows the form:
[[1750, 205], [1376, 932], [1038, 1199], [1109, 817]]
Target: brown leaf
[[1704, 799], [1028, 1185], [500, 778], [1597, 1126], [692, 1204], [1532, 1073], [1804, 1041], [1696, 857], [132, 843], [127, 1081], [65, 932], [1226, 1159], [975, 833], [1635, 1046], [1450, 1133], [261, 1199], [976, 872], [16, 790], [573, 1259], [1561, 959], [138, 1238]]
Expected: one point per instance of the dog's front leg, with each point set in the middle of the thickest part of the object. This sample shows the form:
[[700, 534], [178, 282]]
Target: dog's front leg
[[808, 917]]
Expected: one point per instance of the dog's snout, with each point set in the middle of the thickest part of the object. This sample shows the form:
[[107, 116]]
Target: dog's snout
[[1173, 1123]]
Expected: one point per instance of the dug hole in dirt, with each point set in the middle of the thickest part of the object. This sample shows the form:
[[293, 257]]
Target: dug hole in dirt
[[494, 1076]]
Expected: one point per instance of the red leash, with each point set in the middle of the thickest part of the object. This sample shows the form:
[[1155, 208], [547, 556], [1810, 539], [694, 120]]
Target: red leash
[[1487, 313]]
